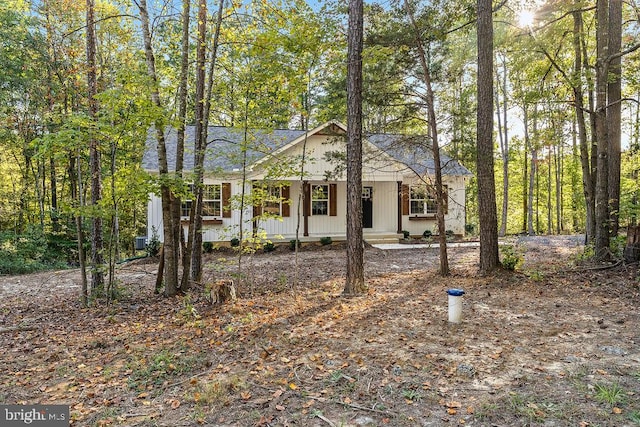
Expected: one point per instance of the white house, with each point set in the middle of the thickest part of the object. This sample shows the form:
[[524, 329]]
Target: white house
[[396, 178]]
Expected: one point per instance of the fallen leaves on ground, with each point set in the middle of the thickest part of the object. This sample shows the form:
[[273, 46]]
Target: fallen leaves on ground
[[284, 354]]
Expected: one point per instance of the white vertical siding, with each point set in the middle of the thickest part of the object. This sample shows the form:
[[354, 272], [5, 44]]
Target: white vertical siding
[[454, 219]]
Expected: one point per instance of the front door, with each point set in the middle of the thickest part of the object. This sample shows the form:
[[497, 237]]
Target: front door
[[367, 207]]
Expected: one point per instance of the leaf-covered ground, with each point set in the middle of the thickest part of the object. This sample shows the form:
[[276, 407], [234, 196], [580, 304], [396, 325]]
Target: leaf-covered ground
[[553, 344]]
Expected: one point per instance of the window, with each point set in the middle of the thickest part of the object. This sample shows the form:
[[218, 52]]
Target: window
[[421, 202], [320, 199], [273, 200], [211, 201]]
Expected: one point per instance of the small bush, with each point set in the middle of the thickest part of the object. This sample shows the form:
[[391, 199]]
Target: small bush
[[511, 257], [427, 234], [470, 228], [235, 242], [406, 234], [324, 241], [153, 245], [269, 247], [207, 247], [450, 235], [292, 244]]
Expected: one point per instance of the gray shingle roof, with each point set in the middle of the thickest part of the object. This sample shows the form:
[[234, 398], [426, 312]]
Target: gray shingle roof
[[224, 149], [416, 153]]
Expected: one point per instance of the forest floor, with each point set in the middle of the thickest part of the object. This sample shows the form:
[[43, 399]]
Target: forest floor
[[557, 343]]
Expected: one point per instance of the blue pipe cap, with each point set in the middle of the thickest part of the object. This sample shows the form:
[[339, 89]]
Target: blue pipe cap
[[455, 292]]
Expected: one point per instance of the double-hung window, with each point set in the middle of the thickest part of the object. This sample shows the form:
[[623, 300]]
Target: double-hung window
[[211, 201], [320, 199], [421, 201], [273, 200]]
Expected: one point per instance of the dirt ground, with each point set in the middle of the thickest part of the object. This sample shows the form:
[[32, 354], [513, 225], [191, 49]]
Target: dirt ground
[[557, 343]]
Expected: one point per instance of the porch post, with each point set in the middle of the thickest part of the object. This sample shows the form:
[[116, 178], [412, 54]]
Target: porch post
[[306, 202], [399, 207]]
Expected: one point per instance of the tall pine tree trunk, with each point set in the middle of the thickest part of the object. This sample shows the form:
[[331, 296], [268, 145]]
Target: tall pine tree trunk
[[484, 161], [355, 250]]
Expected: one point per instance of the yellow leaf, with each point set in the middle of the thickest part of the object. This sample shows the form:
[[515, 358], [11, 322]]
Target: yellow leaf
[[617, 410], [347, 400], [245, 395], [175, 404], [292, 386], [451, 411]]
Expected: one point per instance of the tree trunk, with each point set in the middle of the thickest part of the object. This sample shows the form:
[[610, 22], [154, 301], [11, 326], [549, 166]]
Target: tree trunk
[[55, 217], [97, 258], [614, 113], [182, 114], [504, 143], [196, 255], [170, 261], [75, 178], [534, 164], [486, 180], [585, 158], [525, 177], [433, 131], [602, 133], [355, 250]]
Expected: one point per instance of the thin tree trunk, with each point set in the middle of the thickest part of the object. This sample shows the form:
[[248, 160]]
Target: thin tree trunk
[[614, 111], [433, 131], [585, 157], [355, 250], [549, 191], [504, 143], [558, 175], [575, 165], [75, 178], [525, 179], [196, 255], [534, 163], [55, 217], [170, 261], [486, 180], [97, 257], [602, 133], [182, 114], [195, 226]]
